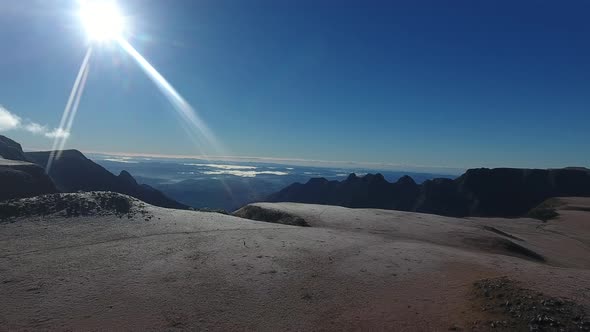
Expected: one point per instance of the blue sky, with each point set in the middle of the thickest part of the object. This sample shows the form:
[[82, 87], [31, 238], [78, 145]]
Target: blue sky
[[434, 83]]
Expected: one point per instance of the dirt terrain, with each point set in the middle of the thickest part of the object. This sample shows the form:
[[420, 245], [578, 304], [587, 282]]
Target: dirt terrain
[[348, 269]]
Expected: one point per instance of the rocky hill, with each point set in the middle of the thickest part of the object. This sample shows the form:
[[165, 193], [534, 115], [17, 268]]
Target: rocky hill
[[506, 192]]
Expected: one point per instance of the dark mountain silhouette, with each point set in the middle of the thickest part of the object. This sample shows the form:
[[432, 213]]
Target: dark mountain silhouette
[[19, 178], [228, 194], [72, 172], [10, 149], [22, 174], [502, 192]]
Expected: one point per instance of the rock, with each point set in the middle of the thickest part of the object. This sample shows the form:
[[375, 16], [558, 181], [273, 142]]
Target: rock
[[525, 309], [274, 216], [73, 205]]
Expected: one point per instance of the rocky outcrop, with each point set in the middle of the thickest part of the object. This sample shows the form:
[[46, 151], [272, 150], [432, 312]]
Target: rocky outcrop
[[258, 213], [74, 205]]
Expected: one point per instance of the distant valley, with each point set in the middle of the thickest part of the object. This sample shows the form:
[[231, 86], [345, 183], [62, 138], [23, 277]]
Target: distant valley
[[229, 185]]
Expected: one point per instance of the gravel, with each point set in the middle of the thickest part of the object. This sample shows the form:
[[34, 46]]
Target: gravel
[[527, 310]]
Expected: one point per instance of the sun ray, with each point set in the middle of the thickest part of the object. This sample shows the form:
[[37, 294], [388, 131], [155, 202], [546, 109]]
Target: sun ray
[[104, 23], [182, 107], [66, 114], [73, 111]]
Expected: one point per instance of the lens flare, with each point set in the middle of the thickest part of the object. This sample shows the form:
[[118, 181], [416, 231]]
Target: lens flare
[[73, 112], [102, 20], [183, 108], [67, 117]]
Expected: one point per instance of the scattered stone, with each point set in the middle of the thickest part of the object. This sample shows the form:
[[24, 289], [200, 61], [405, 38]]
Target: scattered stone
[[525, 309], [73, 205]]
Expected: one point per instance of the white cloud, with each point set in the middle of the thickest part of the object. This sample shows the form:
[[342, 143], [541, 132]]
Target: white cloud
[[8, 121], [121, 160], [312, 173], [35, 128], [220, 166], [245, 174], [11, 121], [57, 132]]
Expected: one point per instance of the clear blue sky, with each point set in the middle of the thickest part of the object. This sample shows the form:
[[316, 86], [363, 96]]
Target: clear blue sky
[[437, 83]]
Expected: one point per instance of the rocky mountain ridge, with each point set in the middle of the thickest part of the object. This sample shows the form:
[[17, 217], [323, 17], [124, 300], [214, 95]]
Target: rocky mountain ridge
[[498, 192]]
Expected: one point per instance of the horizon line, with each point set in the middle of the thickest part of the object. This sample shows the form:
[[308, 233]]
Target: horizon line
[[378, 166], [289, 161]]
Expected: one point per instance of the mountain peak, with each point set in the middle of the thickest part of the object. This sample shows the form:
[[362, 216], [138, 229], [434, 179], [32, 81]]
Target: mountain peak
[[72, 153], [406, 180], [351, 177], [377, 177], [127, 178]]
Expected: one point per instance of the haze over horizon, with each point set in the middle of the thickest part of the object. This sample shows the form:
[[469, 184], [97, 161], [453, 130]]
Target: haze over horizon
[[423, 84]]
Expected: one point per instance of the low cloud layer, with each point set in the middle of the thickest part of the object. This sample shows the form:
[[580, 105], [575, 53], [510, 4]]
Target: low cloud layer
[[11, 121], [221, 166], [244, 174]]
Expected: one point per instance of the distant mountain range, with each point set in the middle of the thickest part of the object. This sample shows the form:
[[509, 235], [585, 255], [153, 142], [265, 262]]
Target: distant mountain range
[[502, 192], [72, 172], [228, 185]]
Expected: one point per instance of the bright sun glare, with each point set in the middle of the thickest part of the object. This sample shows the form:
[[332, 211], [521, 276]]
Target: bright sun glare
[[102, 20]]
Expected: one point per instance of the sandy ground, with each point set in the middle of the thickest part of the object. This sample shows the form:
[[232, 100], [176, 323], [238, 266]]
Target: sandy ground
[[353, 269]]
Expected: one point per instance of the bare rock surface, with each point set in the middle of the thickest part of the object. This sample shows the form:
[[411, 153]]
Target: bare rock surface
[[352, 269]]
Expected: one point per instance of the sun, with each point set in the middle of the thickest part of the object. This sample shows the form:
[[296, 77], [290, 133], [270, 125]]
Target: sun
[[102, 20]]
